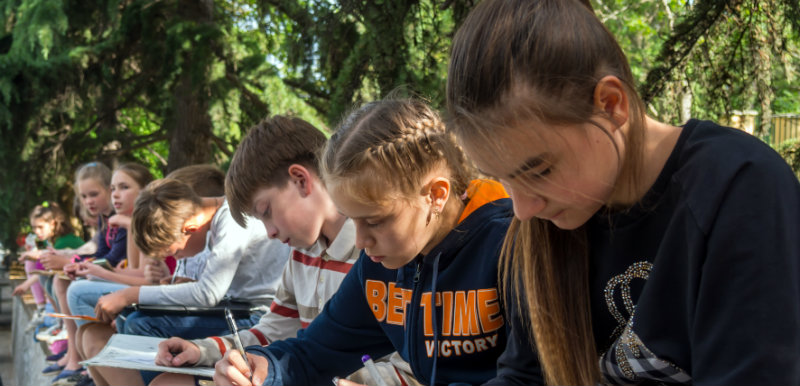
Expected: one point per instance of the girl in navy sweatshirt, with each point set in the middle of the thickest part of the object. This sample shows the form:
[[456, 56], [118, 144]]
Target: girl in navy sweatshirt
[[425, 228], [641, 252]]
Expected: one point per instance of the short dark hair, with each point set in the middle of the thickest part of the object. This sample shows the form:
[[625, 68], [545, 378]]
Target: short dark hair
[[262, 158]]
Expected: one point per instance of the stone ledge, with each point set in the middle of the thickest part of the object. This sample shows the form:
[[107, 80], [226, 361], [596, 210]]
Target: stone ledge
[[29, 355]]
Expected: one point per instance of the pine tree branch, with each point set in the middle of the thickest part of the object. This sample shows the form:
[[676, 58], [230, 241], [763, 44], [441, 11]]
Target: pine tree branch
[[681, 42]]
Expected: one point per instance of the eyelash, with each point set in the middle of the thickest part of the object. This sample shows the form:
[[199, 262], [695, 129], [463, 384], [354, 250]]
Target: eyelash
[[543, 173]]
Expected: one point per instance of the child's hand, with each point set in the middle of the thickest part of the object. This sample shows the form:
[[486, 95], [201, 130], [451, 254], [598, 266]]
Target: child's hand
[[87, 268], [109, 306], [71, 269], [231, 369], [20, 289], [120, 221], [32, 254], [155, 270], [175, 352], [346, 382], [52, 260]]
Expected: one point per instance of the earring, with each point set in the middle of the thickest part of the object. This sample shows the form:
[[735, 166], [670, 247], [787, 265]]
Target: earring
[[435, 212]]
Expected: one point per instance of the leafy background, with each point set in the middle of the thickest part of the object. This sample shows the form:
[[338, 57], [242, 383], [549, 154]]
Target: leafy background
[[170, 83]]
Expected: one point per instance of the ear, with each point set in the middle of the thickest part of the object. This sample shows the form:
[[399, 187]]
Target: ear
[[611, 98], [190, 228], [193, 224], [439, 192], [301, 178]]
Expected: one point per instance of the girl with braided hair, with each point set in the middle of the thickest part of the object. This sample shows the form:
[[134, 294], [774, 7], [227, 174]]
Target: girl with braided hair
[[424, 227]]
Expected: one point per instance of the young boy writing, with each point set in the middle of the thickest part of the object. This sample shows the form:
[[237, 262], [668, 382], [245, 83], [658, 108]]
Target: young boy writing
[[281, 187]]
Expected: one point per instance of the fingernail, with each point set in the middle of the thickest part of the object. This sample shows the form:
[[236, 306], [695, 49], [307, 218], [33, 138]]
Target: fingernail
[[336, 381]]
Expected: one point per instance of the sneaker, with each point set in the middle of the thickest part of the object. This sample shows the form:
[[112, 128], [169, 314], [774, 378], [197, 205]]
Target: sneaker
[[36, 320], [62, 335], [56, 356], [53, 368], [63, 377], [84, 380], [45, 335]]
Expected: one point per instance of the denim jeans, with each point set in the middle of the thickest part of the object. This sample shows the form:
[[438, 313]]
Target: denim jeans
[[182, 326], [82, 296]]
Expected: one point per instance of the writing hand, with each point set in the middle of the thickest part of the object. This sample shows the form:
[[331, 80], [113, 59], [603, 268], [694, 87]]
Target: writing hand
[[175, 352], [72, 269], [87, 268], [232, 370], [109, 306]]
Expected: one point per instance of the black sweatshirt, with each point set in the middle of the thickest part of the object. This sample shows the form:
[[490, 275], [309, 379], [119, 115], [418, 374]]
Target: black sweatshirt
[[709, 261]]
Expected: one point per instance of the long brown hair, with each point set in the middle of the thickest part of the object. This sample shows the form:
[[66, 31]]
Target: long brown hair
[[137, 172], [541, 60]]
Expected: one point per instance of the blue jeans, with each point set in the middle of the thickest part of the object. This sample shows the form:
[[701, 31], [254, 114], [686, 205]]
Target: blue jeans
[[182, 326], [82, 296]]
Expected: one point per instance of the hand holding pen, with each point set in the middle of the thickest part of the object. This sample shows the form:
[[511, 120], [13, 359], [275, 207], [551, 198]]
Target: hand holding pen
[[237, 341], [234, 367]]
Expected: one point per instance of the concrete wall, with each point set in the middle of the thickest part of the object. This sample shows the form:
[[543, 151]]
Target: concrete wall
[[29, 355]]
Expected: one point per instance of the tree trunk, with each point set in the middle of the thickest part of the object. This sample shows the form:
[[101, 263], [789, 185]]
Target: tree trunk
[[190, 134], [190, 138]]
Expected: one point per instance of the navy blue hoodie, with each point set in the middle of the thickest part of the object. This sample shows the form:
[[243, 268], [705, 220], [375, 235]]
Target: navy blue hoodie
[[377, 311], [112, 243]]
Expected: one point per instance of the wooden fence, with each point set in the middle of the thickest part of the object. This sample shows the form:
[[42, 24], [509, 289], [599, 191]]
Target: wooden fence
[[783, 128]]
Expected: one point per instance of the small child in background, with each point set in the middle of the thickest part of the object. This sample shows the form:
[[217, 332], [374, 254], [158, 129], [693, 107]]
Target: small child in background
[[82, 295], [93, 185], [425, 284], [51, 226], [88, 223], [126, 182]]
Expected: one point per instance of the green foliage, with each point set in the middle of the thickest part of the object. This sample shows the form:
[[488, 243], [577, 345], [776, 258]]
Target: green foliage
[[171, 82], [790, 151]]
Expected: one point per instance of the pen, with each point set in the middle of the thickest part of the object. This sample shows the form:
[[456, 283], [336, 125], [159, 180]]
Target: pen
[[172, 281], [373, 371], [236, 340]]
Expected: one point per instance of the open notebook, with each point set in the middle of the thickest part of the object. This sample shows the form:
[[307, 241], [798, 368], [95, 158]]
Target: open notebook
[[138, 353]]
